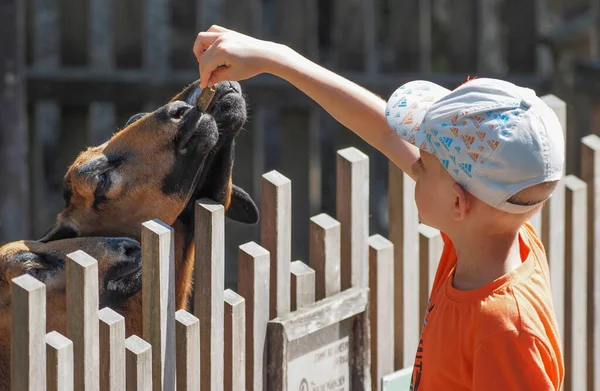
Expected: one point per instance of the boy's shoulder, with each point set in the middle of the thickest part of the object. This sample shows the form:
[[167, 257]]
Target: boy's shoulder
[[524, 303]]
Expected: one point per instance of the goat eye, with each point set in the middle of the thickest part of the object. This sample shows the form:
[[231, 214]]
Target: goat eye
[[177, 114], [102, 182]]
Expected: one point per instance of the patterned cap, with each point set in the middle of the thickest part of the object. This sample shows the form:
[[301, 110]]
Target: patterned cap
[[493, 137]]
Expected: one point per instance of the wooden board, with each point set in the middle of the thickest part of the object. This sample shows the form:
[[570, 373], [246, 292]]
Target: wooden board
[[323, 343]]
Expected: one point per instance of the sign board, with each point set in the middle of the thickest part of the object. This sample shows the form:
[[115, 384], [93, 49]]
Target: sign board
[[321, 347]]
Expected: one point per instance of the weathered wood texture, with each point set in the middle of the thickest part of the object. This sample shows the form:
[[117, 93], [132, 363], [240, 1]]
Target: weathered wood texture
[[576, 262], [325, 254], [381, 285], [352, 211], [235, 341], [208, 301], [590, 173], [112, 350], [59, 362], [430, 250], [276, 237], [331, 310], [139, 364], [553, 230], [14, 204], [404, 234], [82, 323], [28, 346], [158, 307], [253, 286], [302, 285], [187, 333]]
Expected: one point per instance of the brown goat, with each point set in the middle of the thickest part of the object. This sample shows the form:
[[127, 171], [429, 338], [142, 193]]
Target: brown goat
[[119, 281], [157, 167]]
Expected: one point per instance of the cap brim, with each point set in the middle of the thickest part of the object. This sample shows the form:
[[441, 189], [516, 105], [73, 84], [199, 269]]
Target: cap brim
[[407, 107]]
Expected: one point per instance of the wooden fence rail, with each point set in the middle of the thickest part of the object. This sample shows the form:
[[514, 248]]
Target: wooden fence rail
[[316, 331]]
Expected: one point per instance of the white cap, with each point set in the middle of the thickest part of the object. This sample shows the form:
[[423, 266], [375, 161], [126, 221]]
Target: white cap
[[493, 137]]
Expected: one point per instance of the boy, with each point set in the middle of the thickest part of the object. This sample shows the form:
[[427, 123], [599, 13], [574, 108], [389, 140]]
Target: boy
[[485, 157]]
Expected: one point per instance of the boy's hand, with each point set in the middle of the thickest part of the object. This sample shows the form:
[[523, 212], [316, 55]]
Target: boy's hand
[[228, 55]]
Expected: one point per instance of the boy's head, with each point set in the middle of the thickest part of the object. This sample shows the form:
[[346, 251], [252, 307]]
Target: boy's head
[[491, 152]]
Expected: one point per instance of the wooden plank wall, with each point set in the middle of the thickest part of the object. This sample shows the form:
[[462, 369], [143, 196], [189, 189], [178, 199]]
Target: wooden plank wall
[[14, 179]]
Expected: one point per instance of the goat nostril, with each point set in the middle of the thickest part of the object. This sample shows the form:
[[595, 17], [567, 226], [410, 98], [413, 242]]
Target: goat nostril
[[130, 249]]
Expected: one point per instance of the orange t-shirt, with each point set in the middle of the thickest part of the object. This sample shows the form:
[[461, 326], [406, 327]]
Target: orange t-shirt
[[502, 336]]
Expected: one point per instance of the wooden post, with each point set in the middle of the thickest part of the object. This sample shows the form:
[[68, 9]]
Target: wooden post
[[491, 58], [28, 345], [575, 286], [59, 362], [82, 322], [208, 304], [352, 208], [14, 204], [590, 173], [302, 285], [112, 350], [188, 351], [276, 237], [381, 285], [101, 57], [404, 234], [235, 341], [553, 230], [139, 364], [46, 125], [253, 285], [325, 254], [158, 286], [431, 246]]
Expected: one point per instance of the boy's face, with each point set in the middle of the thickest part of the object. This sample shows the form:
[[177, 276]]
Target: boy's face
[[433, 192]]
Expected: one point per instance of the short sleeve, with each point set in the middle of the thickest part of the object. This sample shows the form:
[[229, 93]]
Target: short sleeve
[[515, 361]]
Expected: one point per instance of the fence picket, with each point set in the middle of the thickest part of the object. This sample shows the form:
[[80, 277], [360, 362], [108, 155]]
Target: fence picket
[[324, 248], [158, 286], [553, 230], [352, 211], [83, 323], [138, 364], [575, 286], [188, 351], [59, 362], [404, 234], [28, 345], [430, 250], [381, 285], [253, 286], [112, 350], [590, 173], [208, 300], [235, 341], [276, 237], [302, 288]]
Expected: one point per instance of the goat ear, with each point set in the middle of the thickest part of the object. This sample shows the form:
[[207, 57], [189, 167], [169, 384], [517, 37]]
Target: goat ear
[[242, 207], [58, 232]]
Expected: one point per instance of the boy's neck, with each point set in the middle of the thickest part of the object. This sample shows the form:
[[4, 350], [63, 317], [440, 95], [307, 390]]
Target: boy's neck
[[485, 259]]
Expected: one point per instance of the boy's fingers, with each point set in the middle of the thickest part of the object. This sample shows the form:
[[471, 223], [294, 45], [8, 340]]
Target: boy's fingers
[[218, 75], [203, 41], [217, 28], [209, 62]]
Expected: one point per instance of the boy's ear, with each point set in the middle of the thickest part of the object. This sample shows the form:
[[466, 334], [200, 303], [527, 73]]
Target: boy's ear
[[242, 207], [461, 202]]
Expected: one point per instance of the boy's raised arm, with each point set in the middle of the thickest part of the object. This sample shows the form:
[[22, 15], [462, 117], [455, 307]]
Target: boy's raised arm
[[227, 55]]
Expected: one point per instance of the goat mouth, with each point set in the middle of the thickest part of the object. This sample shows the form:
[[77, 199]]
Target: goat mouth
[[122, 281]]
